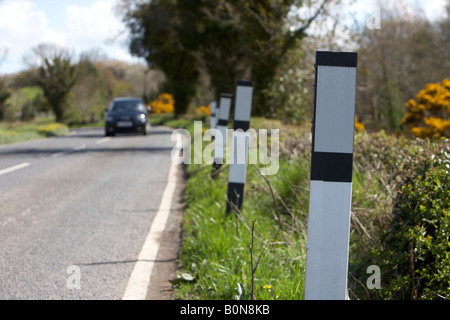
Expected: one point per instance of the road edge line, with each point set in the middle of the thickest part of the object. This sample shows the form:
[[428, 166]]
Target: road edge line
[[139, 281]]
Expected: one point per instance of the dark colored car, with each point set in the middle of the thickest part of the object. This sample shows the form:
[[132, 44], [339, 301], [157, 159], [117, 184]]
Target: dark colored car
[[127, 115]]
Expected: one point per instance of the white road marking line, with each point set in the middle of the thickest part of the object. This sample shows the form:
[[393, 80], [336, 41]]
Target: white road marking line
[[102, 140], [140, 278], [14, 168]]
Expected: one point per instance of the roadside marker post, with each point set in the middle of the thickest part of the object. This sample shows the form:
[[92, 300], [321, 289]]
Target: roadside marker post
[[239, 145], [331, 176], [221, 125], [213, 115]]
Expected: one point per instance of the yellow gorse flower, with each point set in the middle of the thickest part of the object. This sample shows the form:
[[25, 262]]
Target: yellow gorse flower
[[428, 115], [163, 104], [204, 110], [358, 125], [51, 127]]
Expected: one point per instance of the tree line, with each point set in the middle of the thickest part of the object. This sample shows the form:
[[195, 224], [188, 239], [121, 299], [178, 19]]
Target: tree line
[[204, 46], [197, 49], [75, 89], [399, 60], [219, 40]]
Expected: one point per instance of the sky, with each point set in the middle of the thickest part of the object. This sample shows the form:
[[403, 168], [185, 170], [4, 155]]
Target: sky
[[82, 25], [78, 25]]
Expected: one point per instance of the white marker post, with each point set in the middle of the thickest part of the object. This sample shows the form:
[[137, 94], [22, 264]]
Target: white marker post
[[222, 124], [331, 176], [213, 115], [239, 145]]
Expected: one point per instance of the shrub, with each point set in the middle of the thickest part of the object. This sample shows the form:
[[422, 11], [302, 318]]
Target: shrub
[[429, 115], [416, 245], [163, 104], [359, 127], [204, 110]]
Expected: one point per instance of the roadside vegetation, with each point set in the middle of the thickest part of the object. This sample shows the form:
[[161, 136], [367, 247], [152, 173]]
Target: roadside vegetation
[[399, 222], [401, 201], [401, 197], [19, 132]]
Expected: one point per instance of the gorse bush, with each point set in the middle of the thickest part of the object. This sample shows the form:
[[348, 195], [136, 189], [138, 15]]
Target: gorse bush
[[429, 115], [163, 104], [203, 110]]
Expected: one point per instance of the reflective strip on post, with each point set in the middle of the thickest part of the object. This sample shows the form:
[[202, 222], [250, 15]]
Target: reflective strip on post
[[239, 145], [331, 176], [221, 125]]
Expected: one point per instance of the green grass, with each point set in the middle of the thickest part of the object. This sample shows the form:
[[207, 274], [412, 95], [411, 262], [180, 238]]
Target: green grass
[[262, 248], [217, 247], [20, 132]]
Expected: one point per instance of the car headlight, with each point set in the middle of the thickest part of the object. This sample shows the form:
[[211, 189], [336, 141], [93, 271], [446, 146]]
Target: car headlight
[[109, 118], [142, 118]]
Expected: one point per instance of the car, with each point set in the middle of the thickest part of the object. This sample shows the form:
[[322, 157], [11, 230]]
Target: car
[[127, 114]]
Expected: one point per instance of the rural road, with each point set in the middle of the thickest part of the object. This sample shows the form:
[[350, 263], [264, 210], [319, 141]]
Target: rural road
[[76, 211]]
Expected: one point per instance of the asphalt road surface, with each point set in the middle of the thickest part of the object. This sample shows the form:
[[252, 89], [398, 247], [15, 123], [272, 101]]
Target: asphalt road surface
[[75, 212]]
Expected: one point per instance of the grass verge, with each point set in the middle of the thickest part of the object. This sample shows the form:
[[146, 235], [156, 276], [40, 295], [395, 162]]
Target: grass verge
[[259, 253], [400, 219], [256, 253], [19, 132]]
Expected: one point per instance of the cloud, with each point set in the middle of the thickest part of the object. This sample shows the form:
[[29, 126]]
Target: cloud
[[97, 26], [435, 9], [92, 26], [24, 25]]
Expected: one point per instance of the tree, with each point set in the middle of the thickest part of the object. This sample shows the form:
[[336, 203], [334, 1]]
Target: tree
[[271, 30], [395, 62], [154, 36], [231, 39], [212, 29], [4, 92], [56, 75], [4, 95]]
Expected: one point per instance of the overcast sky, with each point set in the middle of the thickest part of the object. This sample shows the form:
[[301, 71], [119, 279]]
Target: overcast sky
[[82, 25]]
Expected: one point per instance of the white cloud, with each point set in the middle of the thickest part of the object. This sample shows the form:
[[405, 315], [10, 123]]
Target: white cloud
[[435, 9], [97, 26], [91, 26], [24, 25]]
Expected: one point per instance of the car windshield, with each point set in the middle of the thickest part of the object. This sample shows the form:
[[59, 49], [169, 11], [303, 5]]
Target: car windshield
[[127, 106]]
